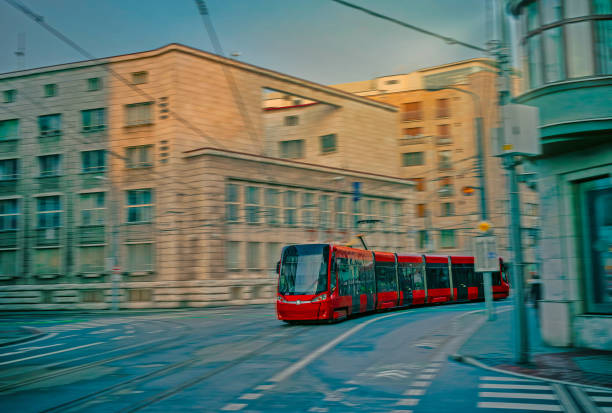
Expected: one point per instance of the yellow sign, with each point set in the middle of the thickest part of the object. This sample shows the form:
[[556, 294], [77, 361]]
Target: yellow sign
[[484, 226]]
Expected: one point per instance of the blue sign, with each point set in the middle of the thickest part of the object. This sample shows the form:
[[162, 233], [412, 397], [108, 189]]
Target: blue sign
[[356, 191]]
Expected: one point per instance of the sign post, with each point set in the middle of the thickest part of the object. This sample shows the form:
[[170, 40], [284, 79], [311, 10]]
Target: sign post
[[486, 261], [115, 278]]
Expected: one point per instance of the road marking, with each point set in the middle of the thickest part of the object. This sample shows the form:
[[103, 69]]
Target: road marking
[[70, 336], [107, 330], [26, 349], [501, 378], [601, 399], [407, 402], [520, 406], [414, 392], [582, 399], [120, 337], [250, 396], [265, 387], [50, 354], [401, 411], [420, 383], [318, 409], [233, 407], [565, 399], [502, 395], [426, 376], [295, 367], [512, 386], [598, 391], [45, 337], [431, 370]]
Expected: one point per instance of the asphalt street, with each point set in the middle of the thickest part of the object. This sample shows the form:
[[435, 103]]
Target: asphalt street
[[243, 359]]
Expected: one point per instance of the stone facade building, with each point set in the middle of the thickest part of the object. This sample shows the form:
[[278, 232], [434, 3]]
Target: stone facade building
[[438, 150], [565, 48], [157, 164]]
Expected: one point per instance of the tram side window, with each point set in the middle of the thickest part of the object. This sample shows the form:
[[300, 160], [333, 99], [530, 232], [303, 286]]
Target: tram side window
[[370, 282], [385, 277], [437, 276], [405, 271], [417, 277], [333, 274], [344, 275], [496, 278]]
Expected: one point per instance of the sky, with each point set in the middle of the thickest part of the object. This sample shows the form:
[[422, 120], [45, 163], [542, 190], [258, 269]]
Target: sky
[[317, 40]]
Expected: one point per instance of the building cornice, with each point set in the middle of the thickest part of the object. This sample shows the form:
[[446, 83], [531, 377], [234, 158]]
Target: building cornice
[[209, 151]]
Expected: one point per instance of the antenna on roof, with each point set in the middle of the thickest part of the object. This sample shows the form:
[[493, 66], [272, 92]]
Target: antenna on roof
[[20, 52]]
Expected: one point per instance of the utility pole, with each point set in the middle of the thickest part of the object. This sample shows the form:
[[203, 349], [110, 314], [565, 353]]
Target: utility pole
[[520, 316]]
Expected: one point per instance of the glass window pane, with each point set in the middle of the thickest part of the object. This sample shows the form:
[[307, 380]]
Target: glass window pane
[[553, 55], [579, 52], [576, 8], [602, 6], [535, 61], [551, 11], [532, 16], [603, 47]]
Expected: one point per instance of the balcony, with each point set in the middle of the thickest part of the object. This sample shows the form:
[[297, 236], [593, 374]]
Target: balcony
[[412, 115], [412, 139], [446, 191]]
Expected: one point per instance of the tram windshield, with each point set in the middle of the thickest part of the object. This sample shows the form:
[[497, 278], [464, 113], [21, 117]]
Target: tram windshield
[[304, 269]]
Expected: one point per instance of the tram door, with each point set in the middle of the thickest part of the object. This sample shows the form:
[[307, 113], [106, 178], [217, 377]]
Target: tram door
[[356, 285], [460, 280], [405, 275]]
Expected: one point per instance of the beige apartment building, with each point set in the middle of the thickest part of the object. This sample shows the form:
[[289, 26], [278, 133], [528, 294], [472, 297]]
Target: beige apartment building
[[160, 164], [438, 150]]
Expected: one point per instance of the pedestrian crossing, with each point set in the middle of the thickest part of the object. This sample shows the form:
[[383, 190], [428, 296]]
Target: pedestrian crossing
[[504, 393]]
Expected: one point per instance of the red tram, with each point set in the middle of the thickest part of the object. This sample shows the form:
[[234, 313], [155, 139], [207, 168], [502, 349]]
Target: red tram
[[330, 282]]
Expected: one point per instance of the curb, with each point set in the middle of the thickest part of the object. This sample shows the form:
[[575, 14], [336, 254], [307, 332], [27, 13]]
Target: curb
[[473, 362], [34, 334]]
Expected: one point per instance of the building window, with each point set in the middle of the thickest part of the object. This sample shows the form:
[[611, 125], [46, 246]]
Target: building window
[[356, 213], [446, 187], [290, 205], [253, 256], [595, 201], [421, 210], [384, 215], [273, 253], [447, 209], [397, 216], [272, 206], [139, 205], [328, 143], [308, 204], [576, 8], [554, 63], [413, 132], [49, 211], [602, 7], [442, 108], [139, 78], [535, 61], [93, 119], [232, 203], [49, 165], [9, 214], [9, 129], [8, 263], [419, 184], [50, 90], [412, 111], [447, 238], [251, 204], [139, 113], [444, 137], [47, 261], [370, 212], [10, 96], [533, 21], [232, 255], [291, 120], [422, 239], [9, 169], [413, 159], [93, 209], [91, 259], [93, 161], [551, 11], [50, 125], [139, 156], [444, 160], [292, 149], [94, 83], [603, 46], [579, 50], [341, 212], [140, 257], [324, 211]]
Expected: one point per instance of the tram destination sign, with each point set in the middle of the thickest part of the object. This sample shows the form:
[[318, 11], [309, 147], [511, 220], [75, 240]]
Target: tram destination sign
[[485, 257]]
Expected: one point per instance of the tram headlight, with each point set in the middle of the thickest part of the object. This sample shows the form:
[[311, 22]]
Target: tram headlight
[[281, 299], [319, 298]]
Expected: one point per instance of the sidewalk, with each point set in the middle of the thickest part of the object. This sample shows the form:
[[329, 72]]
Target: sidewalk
[[493, 346]]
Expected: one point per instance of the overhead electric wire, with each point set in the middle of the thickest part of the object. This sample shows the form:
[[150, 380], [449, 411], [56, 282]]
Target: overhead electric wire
[[447, 39]]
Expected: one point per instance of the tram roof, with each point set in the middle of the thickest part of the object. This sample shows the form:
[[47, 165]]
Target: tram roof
[[414, 258], [384, 256], [436, 259], [455, 259]]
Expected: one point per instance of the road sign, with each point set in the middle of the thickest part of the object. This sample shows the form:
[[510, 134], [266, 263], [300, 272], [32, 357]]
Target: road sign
[[485, 254]]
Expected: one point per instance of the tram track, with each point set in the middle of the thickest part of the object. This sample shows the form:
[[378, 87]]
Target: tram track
[[174, 368]]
